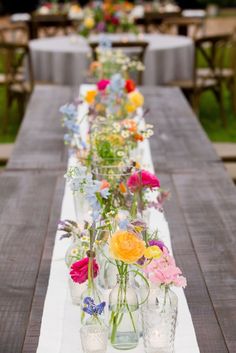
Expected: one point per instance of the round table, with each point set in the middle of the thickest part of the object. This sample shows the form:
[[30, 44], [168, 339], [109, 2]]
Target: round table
[[64, 60]]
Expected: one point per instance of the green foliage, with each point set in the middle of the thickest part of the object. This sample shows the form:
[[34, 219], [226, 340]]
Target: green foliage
[[221, 3]]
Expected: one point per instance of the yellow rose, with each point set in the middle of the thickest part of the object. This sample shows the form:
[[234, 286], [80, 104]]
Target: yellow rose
[[126, 246], [153, 252], [136, 99], [90, 96], [89, 22]]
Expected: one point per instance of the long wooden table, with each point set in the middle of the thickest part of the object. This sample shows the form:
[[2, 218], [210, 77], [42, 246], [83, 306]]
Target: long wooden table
[[201, 216]]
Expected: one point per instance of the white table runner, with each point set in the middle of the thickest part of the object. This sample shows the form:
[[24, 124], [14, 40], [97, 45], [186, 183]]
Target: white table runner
[[61, 319]]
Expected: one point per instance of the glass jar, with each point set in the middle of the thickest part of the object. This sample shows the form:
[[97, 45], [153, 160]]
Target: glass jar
[[123, 315], [159, 315], [94, 336]]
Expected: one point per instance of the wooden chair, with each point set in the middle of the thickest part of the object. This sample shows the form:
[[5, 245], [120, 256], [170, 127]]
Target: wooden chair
[[183, 26], [213, 49], [222, 69], [14, 34], [138, 50], [13, 79], [49, 25]]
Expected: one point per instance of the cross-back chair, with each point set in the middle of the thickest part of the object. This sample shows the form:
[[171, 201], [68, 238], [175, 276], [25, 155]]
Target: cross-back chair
[[188, 26], [14, 34], [138, 50], [213, 50], [13, 79], [50, 25]]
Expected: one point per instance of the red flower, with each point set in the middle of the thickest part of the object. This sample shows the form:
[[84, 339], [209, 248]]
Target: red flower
[[115, 21], [79, 270], [130, 86], [142, 179]]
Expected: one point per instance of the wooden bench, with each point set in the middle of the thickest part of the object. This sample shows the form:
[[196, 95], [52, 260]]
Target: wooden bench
[[201, 216]]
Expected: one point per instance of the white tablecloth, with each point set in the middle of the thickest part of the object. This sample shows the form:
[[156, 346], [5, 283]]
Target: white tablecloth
[[64, 60], [61, 320]]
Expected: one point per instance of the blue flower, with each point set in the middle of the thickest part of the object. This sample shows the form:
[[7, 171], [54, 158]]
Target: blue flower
[[91, 308], [69, 110], [105, 43], [117, 83]]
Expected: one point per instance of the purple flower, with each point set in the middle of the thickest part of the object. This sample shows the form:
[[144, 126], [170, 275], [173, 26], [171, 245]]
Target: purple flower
[[158, 243], [101, 26]]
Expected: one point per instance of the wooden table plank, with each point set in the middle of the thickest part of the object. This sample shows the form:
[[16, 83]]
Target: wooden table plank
[[209, 334], [208, 202], [25, 208], [179, 141], [40, 140]]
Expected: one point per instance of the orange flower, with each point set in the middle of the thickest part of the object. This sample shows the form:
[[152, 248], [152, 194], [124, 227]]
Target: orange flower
[[126, 246], [137, 165], [122, 188], [94, 66], [90, 96], [104, 184], [130, 124], [138, 137]]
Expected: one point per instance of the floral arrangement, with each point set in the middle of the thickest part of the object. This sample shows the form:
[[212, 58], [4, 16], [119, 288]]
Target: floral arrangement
[[107, 17], [111, 62], [115, 232]]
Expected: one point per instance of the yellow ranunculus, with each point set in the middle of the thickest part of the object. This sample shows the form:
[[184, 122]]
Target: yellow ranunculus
[[89, 22], [153, 252], [126, 246], [90, 96], [130, 107], [136, 99]]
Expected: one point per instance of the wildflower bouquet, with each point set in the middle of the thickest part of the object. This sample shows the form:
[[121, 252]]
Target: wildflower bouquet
[[107, 17], [112, 61]]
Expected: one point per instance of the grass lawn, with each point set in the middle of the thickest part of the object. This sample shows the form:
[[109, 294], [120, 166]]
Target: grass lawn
[[210, 118]]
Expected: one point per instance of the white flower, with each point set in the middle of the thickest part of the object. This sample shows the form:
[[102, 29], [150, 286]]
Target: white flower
[[125, 134]]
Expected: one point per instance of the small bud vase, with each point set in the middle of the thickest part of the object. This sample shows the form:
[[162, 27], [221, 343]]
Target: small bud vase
[[159, 315], [94, 336], [123, 315]]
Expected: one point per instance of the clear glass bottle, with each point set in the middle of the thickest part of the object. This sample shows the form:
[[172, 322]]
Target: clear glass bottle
[[94, 335], [159, 315], [91, 289], [123, 315]]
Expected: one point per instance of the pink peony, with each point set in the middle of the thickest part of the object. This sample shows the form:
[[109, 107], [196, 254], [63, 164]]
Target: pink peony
[[163, 271], [79, 270], [142, 179], [102, 85]]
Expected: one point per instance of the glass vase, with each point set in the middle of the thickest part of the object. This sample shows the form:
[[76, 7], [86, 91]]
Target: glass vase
[[159, 315], [81, 206], [91, 289], [94, 336], [107, 272], [123, 315]]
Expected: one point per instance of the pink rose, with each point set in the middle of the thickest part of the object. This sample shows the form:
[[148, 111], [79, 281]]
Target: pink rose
[[79, 270], [102, 85], [142, 179]]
